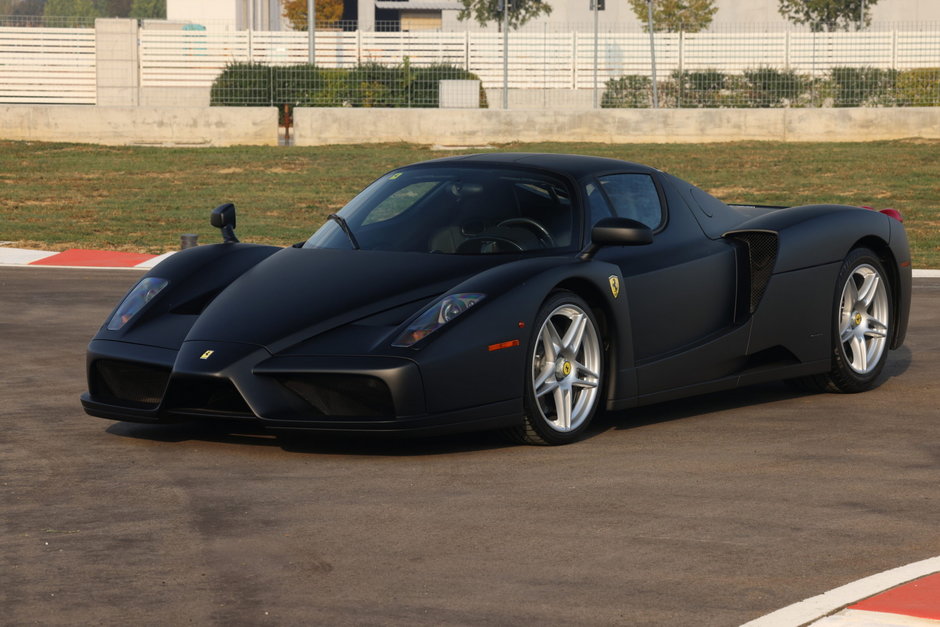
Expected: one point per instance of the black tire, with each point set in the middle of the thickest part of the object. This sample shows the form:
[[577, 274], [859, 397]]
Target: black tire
[[861, 329], [561, 375]]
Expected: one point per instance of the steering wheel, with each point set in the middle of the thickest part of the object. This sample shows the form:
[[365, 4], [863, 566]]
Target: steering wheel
[[475, 244], [540, 231]]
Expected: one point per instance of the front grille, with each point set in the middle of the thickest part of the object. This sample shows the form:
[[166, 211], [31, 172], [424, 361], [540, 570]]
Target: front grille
[[342, 394], [127, 383], [208, 395]]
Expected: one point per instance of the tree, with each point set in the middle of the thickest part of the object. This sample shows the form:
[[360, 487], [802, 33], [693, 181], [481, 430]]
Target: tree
[[828, 15], [144, 9], [328, 11], [22, 7], [520, 11], [690, 16], [73, 8]]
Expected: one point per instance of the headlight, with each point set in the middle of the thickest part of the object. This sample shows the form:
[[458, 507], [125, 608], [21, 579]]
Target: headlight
[[140, 295], [436, 316]]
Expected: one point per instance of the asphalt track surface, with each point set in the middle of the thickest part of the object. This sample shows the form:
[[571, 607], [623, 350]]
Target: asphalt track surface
[[709, 511]]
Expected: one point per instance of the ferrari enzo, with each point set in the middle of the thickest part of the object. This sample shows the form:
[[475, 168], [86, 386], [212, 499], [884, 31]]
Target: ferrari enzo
[[521, 292]]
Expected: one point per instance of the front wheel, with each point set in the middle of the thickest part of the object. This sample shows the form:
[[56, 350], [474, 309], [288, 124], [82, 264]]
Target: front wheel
[[564, 370], [862, 325]]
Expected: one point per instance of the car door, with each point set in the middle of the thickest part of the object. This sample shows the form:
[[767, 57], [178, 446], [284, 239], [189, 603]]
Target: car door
[[681, 288]]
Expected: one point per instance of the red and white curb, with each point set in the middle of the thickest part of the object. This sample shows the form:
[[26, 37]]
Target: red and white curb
[[83, 258], [79, 258], [908, 596]]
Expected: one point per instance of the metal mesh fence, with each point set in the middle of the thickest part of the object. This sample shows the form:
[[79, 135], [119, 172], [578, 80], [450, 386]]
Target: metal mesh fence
[[569, 66]]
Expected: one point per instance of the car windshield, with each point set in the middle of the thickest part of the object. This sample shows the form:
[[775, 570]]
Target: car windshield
[[455, 210]]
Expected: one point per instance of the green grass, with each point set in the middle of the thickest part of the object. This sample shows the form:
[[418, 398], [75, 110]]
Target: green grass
[[58, 196]]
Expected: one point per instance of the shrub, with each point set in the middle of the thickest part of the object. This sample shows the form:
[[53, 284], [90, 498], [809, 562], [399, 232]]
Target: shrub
[[856, 87], [368, 85], [630, 91], [699, 89], [770, 87], [920, 87]]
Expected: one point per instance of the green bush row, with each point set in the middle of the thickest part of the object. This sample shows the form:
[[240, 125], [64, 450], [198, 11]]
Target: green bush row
[[769, 87], [368, 85]]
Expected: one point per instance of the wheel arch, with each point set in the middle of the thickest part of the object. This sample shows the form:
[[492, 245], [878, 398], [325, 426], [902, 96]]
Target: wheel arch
[[889, 262], [606, 318]]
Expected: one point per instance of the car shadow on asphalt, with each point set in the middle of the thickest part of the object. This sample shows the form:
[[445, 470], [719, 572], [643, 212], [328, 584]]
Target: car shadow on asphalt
[[899, 362], [241, 434], [248, 434]]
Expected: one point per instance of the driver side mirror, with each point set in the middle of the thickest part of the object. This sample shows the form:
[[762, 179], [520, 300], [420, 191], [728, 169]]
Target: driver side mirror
[[223, 217], [617, 232]]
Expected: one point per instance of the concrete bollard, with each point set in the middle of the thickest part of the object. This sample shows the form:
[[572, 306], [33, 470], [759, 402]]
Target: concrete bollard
[[188, 240]]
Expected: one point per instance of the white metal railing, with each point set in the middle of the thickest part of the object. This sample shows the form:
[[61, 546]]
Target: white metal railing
[[58, 65], [47, 65], [536, 59]]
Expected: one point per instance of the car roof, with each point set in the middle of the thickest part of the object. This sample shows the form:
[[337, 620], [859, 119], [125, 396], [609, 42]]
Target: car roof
[[576, 166]]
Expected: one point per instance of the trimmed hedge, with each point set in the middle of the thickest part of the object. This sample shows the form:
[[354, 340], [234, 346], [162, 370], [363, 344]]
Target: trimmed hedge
[[770, 87], [919, 88], [368, 85]]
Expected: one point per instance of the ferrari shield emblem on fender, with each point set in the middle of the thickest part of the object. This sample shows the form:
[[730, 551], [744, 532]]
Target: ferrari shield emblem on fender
[[614, 285], [207, 354]]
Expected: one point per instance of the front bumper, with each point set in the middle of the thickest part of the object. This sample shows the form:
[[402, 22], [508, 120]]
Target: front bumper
[[326, 393]]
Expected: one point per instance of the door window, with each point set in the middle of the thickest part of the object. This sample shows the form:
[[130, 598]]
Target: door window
[[634, 196]]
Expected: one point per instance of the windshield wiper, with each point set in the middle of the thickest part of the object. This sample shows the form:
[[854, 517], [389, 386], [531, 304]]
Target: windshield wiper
[[345, 226]]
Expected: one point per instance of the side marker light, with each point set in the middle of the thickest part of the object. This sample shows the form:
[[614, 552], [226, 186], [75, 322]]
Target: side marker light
[[502, 345]]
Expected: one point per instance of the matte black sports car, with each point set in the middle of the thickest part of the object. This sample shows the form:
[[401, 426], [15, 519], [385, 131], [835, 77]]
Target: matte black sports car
[[513, 291]]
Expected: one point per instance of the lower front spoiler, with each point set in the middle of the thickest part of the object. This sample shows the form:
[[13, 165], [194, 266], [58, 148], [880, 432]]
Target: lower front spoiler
[[480, 418]]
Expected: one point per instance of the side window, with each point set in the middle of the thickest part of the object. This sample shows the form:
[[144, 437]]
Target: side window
[[597, 204], [634, 196]]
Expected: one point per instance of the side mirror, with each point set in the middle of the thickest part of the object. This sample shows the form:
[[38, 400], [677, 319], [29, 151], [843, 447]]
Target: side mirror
[[223, 217], [617, 232]]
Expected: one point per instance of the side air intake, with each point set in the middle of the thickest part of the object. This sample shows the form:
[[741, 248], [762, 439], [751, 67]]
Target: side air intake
[[761, 248]]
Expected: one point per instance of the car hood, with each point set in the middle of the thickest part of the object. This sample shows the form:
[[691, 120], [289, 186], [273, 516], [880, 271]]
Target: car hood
[[298, 293]]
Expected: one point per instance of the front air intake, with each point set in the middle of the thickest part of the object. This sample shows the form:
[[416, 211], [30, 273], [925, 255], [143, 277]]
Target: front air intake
[[128, 383], [208, 396], [342, 395]]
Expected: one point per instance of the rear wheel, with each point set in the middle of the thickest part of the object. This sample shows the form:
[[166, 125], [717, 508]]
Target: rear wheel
[[862, 326], [563, 373]]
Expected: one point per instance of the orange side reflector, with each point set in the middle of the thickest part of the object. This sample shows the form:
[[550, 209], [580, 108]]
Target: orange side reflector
[[501, 345]]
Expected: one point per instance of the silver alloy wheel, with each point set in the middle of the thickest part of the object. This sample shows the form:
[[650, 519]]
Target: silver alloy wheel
[[864, 319], [566, 364]]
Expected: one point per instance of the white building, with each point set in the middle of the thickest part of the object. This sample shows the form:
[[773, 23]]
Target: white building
[[229, 14], [566, 14]]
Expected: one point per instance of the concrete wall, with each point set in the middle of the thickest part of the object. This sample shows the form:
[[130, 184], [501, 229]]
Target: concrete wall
[[176, 126], [314, 127], [226, 126]]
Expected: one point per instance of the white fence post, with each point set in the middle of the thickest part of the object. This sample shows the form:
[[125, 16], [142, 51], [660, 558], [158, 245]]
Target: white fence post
[[116, 60]]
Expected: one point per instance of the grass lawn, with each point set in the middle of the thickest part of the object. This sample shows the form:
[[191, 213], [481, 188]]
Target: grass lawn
[[58, 196]]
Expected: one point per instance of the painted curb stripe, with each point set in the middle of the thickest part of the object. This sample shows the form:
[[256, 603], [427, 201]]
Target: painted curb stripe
[[94, 258], [22, 256], [827, 603], [920, 598], [860, 618]]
